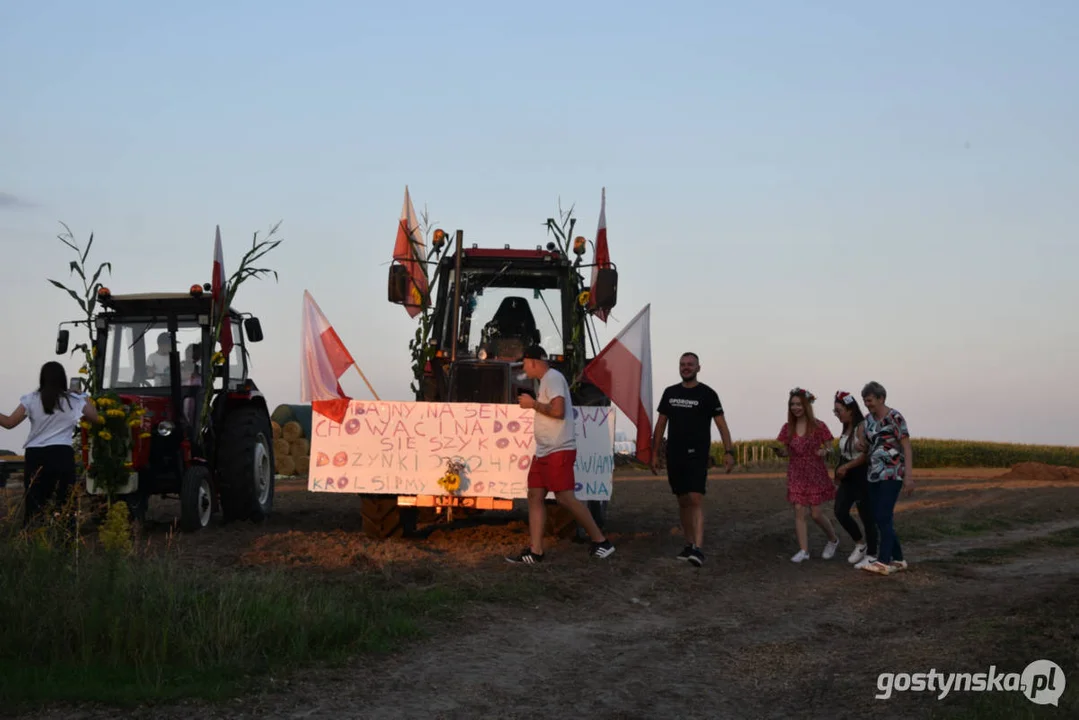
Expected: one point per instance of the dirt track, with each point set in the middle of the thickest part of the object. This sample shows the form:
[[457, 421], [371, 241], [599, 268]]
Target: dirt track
[[641, 635]]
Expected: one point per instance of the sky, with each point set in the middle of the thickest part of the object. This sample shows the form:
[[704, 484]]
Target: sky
[[816, 194]]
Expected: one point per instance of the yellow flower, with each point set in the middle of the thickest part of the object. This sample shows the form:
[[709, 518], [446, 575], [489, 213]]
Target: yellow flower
[[105, 435], [84, 425], [135, 422], [144, 435], [583, 298], [114, 412], [84, 370], [218, 358], [100, 420], [128, 466]]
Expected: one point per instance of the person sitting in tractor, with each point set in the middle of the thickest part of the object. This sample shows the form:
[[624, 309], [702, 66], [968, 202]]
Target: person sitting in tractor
[[157, 363], [191, 378]]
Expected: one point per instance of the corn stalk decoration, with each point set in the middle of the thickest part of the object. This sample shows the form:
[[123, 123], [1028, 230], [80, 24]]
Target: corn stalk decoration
[[246, 271], [87, 301], [420, 347], [563, 232]]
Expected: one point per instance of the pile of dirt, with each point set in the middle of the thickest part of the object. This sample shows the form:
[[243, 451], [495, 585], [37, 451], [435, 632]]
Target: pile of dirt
[[1041, 472]]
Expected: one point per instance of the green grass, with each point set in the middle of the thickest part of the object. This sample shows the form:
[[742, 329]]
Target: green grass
[[933, 453], [136, 630], [1067, 538]]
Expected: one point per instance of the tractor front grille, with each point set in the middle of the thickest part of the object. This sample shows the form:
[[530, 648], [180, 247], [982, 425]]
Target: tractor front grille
[[480, 383]]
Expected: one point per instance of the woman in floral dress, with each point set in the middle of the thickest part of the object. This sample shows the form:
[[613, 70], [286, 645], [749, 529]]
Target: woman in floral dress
[[806, 441]]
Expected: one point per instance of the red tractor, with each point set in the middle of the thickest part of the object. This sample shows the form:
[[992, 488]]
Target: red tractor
[[156, 350]]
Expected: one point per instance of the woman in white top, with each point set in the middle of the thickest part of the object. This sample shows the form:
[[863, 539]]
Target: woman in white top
[[54, 413]]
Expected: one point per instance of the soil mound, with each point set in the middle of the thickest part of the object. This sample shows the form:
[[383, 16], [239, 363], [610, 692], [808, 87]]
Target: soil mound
[[1041, 472]]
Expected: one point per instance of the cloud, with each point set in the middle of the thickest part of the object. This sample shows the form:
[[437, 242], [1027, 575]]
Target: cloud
[[7, 200]]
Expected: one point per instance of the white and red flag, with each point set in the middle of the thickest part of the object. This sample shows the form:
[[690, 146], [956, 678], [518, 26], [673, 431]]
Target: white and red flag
[[623, 371], [410, 251], [603, 255], [325, 360], [217, 293]]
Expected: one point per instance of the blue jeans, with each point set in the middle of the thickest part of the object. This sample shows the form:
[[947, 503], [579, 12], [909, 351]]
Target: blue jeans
[[882, 497]]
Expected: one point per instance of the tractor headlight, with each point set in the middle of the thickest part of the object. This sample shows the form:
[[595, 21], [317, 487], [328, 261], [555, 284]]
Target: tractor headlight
[[482, 354], [165, 428]]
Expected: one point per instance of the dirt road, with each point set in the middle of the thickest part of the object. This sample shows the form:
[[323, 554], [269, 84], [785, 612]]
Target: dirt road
[[642, 635]]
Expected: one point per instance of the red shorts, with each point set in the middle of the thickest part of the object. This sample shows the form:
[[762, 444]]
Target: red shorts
[[553, 472]]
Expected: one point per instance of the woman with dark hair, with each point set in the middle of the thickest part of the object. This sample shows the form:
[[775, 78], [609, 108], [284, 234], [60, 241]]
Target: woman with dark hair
[[805, 440], [54, 413], [852, 478]]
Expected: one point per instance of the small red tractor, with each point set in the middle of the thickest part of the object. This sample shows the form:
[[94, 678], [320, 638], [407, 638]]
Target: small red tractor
[[156, 350]]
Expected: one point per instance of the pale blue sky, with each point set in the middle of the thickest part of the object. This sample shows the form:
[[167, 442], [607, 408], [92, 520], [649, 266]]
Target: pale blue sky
[[814, 194]]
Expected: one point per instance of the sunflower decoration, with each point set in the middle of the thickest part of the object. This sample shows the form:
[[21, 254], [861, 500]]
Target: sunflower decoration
[[112, 440], [218, 358], [583, 298], [451, 479]]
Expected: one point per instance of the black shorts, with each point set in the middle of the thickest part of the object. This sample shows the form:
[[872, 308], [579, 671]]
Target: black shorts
[[687, 473]]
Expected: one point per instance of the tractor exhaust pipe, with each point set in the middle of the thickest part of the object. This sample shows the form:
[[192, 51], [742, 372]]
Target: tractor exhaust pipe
[[456, 329]]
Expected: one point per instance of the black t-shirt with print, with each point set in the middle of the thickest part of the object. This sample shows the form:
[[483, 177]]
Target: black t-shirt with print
[[690, 412]]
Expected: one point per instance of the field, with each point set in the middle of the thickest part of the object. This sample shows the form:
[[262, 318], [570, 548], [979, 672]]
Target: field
[[441, 626]]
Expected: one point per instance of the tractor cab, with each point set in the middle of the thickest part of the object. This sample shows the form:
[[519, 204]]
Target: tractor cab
[[156, 349]]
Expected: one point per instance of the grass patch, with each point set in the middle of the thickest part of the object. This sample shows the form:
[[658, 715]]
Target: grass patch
[[121, 629], [1067, 538]]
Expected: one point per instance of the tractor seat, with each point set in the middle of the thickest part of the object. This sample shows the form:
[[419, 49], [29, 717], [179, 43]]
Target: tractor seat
[[513, 320]]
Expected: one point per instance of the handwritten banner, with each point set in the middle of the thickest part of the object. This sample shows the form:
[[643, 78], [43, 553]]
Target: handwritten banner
[[402, 448]]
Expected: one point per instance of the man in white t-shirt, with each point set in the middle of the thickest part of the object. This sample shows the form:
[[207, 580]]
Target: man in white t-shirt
[[157, 363], [552, 463]]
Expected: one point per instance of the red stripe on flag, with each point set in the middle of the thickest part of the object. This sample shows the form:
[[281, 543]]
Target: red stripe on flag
[[338, 355], [617, 372], [333, 409]]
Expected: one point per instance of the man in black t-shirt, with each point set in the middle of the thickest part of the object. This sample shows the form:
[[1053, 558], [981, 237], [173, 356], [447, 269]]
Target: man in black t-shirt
[[690, 407]]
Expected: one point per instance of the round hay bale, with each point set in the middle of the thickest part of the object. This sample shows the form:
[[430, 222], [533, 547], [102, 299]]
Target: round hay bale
[[299, 447], [282, 414], [291, 431], [281, 448], [285, 465], [303, 464], [276, 429]]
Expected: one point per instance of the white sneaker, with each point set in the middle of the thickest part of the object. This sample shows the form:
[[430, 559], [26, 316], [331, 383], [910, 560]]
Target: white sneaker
[[829, 550], [867, 560], [800, 556], [858, 554]]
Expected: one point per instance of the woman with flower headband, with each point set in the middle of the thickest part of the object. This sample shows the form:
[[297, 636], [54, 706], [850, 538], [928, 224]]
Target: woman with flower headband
[[805, 441], [851, 476], [54, 412]]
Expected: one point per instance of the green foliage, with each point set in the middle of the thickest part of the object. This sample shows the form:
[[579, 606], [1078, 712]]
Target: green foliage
[[419, 347], [115, 532], [932, 453], [87, 300], [151, 628], [112, 440]]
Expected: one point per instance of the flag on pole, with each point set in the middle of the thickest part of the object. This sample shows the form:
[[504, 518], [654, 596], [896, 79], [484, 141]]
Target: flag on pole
[[603, 255], [325, 360], [623, 371], [410, 251], [218, 295]]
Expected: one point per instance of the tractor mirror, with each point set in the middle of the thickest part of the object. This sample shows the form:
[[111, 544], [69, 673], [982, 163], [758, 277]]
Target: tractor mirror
[[61, 341], [397, 290], [605, 290], [253, 329]]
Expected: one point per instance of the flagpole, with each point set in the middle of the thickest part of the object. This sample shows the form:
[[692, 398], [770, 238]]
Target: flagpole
[[357, 366]]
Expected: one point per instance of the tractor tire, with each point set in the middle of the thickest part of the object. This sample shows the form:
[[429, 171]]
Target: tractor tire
[[196, 499], [245, 464], [383, 518], [560, 521]]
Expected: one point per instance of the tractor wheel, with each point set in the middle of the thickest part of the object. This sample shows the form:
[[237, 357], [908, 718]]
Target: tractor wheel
[[245, 464], [196, 499], [560, 521], [384, 518]]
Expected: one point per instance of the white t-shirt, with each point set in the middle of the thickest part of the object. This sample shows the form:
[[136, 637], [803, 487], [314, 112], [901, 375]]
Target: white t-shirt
[[55, 429], [552, 434], [157, 367]]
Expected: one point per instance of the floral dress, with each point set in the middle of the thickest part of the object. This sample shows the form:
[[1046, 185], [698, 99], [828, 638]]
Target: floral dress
[[808, 482]]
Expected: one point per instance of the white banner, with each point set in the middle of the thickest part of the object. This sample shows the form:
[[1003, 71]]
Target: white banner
[[403, 448]]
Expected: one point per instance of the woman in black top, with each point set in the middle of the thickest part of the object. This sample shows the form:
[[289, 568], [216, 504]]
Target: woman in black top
[[851, 475]]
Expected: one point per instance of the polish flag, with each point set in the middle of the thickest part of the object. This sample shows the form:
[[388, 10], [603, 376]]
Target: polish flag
[[603, 255], [325, 360], [623, 371], [410, 251], [218, 296]]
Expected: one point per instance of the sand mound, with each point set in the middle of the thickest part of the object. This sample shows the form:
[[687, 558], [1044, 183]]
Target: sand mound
[[1041, 472]]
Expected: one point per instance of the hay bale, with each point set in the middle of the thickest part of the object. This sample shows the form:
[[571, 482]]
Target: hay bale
[[281, 448], [276, 429], [291, 431], [285, 465], [299, 447], [303, 464]]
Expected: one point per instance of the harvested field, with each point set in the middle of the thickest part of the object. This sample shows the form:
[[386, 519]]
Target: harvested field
[[993, 580]]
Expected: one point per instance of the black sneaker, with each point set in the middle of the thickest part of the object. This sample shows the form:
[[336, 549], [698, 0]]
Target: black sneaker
[[601, 549], [527, 557], [696, 557], [686, 552]]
